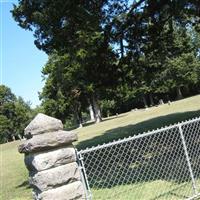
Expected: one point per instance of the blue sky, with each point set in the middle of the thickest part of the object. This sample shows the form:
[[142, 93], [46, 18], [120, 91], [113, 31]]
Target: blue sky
[[21, 62]]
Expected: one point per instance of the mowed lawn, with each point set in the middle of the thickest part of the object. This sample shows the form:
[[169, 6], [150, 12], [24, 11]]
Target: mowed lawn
[[139, 121], [14, 176]]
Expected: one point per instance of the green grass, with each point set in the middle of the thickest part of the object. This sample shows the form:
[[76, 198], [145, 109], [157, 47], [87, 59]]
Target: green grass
[[154, 190], [134, 122], [14, 177]]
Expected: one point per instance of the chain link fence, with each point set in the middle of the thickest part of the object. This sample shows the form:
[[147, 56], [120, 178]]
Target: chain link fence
[[159, 165]]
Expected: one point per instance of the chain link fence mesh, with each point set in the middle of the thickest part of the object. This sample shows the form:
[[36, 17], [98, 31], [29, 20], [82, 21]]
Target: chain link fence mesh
[[158, 165]]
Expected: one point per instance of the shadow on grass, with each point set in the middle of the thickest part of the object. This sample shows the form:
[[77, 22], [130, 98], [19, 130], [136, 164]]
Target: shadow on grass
[[171, 193], [24, 184], [135, 129], [114, 116], [157, 157], [105, 119], [89, 123]]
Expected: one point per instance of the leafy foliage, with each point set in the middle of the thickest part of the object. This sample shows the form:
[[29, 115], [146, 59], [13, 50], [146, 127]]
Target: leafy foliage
[[15, 114], [114, 55]]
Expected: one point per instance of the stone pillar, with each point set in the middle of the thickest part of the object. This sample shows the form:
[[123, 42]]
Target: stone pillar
[[51, 160]]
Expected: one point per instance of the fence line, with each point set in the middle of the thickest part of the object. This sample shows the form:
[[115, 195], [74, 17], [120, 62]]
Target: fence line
[[165, 161], [188, 160], [144, 134]]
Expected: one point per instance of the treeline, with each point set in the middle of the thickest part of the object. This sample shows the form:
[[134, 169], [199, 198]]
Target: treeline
[[15, 114], [114, 55]]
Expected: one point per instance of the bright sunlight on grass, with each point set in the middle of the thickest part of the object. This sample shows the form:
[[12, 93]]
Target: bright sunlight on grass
[[14, 177], [138, 121]]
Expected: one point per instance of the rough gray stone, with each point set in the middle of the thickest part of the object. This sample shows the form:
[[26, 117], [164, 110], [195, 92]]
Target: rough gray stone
[[47, 141], [72, 191], [42, 123], [55, 177], [49, 159]]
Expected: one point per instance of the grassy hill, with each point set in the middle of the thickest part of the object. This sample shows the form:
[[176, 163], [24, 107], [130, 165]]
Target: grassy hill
[[134, 122], [14, 177]]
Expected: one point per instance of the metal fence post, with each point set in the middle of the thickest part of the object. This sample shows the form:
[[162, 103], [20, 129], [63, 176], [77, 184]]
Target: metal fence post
[[84, 176], [188, 160]]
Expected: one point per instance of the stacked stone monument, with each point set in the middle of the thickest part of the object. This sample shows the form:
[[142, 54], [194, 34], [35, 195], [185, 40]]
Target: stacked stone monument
[[50, 158]]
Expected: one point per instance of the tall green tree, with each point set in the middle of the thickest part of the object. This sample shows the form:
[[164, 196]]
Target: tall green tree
[[15, 114], [77, 31], [110, 50]]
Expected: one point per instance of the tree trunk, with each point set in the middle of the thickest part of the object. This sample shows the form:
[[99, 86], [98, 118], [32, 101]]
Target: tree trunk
[[91, 113], [187, 89], [144, 101], [96, 110], [80, 125], [122, 46], [151, 99], [78, 117], [179, 94], [19, 136], [13, 138]]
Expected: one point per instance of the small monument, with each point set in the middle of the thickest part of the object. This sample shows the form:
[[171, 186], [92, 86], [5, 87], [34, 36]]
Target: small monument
[[51, 160]]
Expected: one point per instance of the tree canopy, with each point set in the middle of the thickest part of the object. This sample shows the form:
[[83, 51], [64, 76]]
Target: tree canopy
[[113, 55], [15, 114]]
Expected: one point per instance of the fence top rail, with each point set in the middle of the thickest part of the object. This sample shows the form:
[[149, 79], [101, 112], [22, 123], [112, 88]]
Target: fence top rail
[[144, 134]]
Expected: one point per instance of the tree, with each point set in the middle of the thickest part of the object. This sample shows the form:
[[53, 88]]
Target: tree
[[160, 36], [179, 62], [76, 32], [23, 115], [5, 129], [181, 72], [71, 85], [15, 114], [113, 50]]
